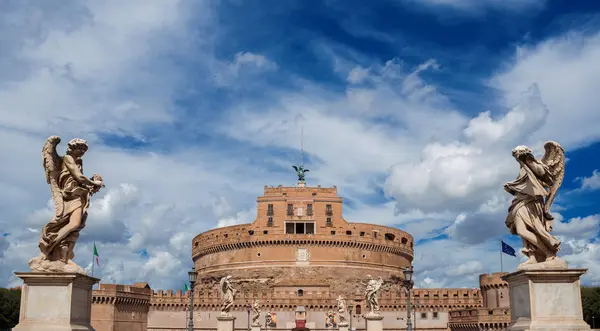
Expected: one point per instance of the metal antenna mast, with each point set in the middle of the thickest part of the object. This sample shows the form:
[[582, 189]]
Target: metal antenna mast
[[301, 144]]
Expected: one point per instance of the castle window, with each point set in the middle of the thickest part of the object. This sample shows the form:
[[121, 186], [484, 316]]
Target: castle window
[[300, 292], [314, 194], [375, 234], [310, 228], [226, 235], [265, 232], [329, 222], [445, 295], [289, 228], [251, 232], [309, 210], [423, 315], [333, 233], [404, 241], [435, 314], [270, 221], [390, 236], [490, 312], [358, 310], [362, 233], [328, 210], [290, 209], [270, 211], [349, 233], [299, 228]]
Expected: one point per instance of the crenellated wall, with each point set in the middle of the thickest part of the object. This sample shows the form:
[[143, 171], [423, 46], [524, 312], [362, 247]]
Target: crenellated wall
[[121, 307], [494, 290], [495, 313]]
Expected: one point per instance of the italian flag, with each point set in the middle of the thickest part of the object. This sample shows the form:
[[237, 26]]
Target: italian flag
[[96, 254]]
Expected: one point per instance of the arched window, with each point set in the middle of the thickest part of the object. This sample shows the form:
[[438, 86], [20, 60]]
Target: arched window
[[300, 292], [358, 310]]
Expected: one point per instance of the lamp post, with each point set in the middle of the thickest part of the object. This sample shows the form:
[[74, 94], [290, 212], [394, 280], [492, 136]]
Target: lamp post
[[350, 306], [408, 272], [248, 310], [192, 278], [593, 322]]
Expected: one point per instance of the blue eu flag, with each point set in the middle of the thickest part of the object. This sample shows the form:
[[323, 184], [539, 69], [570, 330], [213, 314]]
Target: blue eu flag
[[507, 249]]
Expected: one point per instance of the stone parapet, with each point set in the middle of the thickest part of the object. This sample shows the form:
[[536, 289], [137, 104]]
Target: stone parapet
[[479, 319], [121, 307]]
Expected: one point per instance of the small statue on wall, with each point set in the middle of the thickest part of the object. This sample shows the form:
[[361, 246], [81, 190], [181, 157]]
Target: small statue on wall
[[256, 313], [71, 193], [342, 311], [529, 215], [227, 295]]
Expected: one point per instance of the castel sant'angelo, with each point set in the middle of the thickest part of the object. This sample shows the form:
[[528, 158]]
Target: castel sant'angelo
[[300, 251]]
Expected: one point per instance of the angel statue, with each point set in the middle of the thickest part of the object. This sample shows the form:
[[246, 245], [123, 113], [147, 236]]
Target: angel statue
[[341, 306], [529, 215], [256, 313], [227, 295], [71, 192], [300, 172], [373, 286]]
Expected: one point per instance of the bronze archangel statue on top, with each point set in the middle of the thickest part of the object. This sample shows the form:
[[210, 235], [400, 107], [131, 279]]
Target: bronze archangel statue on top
[[300, 172], [529, 215], [71, 193]]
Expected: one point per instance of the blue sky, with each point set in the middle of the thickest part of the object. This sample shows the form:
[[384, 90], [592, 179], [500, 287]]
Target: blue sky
[[190, 107]]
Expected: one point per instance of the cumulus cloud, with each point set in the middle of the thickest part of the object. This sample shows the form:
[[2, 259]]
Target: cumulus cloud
[[592, 182], [463, 175]]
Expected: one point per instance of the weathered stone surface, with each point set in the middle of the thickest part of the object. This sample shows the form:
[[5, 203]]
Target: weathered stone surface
[[546, 300], [55, 302]]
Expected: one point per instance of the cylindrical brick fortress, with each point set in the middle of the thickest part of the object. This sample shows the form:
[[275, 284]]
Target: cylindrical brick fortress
[[299, 236]]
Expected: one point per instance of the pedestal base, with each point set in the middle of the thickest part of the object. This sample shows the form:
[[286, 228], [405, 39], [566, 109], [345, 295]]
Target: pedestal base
[[374, 322], [255, 327], [343, 326], [225, 323], [55, 302], [546, 300]]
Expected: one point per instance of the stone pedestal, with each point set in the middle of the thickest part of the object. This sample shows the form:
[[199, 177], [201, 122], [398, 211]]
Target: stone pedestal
[[225, 323], [546, 300], [374, 322], [55, 302], [343, 326], [255, 327]]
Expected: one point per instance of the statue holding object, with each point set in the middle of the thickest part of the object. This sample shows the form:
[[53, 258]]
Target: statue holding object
[[529, 215], [227, 295], [71, 193]]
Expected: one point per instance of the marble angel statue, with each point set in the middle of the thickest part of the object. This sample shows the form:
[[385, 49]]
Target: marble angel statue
[[529, 215], [71, 192], [342, 311], [373, 286], [256, 313], [227, 295]]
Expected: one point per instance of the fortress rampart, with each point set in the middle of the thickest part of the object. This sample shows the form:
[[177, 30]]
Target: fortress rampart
[[121, 307]]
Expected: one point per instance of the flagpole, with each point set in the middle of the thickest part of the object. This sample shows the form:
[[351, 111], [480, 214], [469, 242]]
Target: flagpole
[[501, 264], [93, 259]]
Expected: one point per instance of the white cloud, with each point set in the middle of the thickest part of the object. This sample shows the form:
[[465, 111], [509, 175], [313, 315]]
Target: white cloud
[[566, 70], [592, 182]]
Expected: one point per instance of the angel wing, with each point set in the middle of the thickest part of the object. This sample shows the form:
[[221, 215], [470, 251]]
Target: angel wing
[[295, 168], [306, 170], [223, 286], [52, 164], [554, 159]]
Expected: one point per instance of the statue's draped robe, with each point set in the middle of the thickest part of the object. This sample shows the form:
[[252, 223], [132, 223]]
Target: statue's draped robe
[[227, 298], [74, 196], [527, 208]]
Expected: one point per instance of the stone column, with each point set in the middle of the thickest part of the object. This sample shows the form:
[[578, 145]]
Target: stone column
[[374, 322], [546, 300], [343, 326], [225, 323], [55, 302]]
